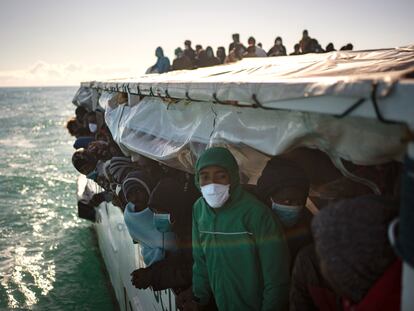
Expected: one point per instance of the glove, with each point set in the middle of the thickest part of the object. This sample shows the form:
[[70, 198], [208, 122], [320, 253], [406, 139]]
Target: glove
[[141, 278], [97, 199]]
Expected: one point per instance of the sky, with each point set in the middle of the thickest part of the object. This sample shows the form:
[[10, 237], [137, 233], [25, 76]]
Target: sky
[[62, 42]]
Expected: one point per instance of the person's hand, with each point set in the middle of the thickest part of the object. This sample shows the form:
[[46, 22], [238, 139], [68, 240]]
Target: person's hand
[[185, 301], [97, 199], [183, 297], [141, 278]]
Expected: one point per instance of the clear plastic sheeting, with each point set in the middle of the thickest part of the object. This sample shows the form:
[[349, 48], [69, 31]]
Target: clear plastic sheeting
[[122, 257], [88, 98], [348, 74], [176, 134], [111, 100]]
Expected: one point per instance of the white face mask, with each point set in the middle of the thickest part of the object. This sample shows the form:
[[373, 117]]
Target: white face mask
[[93, 127], [216, 194]]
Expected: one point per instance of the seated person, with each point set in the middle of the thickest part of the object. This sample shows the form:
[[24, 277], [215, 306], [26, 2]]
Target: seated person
[[171, 202], [284, 186], [181, 62], [354, 263], [139, 219], [235, 54], [239, 252]]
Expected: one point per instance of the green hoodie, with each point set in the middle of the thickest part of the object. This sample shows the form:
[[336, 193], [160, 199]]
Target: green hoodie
[[240, 255]]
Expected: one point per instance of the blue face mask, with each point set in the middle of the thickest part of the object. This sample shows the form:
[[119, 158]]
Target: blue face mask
[[130, 207], [162, 222], [92, 175], [288, 214], [141, 227]]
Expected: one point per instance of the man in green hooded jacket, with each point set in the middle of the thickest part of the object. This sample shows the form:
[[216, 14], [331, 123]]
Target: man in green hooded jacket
[[240, 255]]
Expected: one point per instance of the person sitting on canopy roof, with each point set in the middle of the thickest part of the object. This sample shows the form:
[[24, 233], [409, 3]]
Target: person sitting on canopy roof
[[236, 41], [221, 54], [230, 224], [182, 61], [296, 50], [330, 47], [189, 51], [163, 63], [236, 54], [305, 43], [258, 50], [278, 49], [207, 58], [347, 47]]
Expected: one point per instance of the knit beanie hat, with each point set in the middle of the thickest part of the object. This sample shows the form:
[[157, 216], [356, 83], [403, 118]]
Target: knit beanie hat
[[281, 173], [137, 181], [83, 161], [120, 167], [352, 244]]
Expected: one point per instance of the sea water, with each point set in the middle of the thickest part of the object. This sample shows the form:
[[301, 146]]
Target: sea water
[[49, 258]]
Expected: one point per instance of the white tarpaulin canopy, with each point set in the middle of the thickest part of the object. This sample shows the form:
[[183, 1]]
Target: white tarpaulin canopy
[[261, 107]]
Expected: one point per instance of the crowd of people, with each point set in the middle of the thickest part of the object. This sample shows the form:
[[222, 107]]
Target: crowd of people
[[305, 237], [188, 58]]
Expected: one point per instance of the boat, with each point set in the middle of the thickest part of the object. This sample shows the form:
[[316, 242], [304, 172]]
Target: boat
[[352, 105]]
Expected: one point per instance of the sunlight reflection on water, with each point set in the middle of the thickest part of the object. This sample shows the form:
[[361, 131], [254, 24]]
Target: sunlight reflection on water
[[48, 257]]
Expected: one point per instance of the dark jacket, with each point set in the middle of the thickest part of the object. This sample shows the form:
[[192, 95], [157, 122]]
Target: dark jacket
[[182, 63], [385, 295], [207, 58], [279, 173], [277, 50], [191, 54], [175, 196]]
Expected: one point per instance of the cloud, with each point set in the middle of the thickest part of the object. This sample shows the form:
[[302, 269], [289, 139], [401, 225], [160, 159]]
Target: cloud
[[44, 74]]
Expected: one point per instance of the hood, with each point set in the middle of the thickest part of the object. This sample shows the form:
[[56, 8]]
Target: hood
[[159, 52], [222, 157], [280, 173]]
